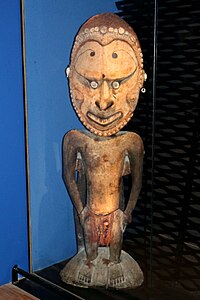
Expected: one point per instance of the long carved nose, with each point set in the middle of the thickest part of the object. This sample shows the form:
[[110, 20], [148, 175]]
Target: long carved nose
[[104, 102]]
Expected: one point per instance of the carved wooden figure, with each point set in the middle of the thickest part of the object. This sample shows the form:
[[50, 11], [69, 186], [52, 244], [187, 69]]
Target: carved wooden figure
[[105, 77]]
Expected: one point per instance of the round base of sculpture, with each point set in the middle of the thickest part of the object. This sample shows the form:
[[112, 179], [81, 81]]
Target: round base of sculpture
[[126, 274]]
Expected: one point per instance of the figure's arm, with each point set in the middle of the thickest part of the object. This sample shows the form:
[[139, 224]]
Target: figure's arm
[[69, 168], [136, 153]]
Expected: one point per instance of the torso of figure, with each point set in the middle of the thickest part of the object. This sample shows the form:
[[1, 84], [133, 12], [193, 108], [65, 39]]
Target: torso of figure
[[103, 162]]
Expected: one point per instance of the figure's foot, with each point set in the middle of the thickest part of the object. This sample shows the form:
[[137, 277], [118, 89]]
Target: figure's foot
[[89, 263], [106, 261], [102, 272], [116, 276], [85, 273]]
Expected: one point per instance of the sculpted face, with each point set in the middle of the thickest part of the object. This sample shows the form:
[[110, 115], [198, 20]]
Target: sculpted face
[[105, 80]]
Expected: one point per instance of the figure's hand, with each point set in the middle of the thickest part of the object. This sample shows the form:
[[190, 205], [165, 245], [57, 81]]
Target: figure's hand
[[127, 217], [83, 215]]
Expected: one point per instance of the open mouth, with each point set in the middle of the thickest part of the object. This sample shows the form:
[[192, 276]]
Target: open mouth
[[104, 121]]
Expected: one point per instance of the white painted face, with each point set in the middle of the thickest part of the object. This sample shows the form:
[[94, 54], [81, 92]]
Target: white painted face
[[104, 85]]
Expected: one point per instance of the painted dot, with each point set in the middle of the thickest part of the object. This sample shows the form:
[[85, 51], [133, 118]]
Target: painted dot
[[103, 29], [121, 30], [114, 55], [92, 53]]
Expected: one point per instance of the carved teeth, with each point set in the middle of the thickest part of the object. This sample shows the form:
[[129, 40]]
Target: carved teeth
[[104, 121]]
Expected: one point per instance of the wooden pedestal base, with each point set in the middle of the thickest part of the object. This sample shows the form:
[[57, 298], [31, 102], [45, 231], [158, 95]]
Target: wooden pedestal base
[[126, 274]]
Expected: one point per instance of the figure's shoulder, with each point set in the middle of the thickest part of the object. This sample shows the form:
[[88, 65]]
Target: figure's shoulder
[[133, 137], [70, 133], [133, 141], [71, 136], [76, 136], [137, 139]]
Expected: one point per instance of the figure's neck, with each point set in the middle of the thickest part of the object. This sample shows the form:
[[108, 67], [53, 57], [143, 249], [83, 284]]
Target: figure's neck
[[101, 138]]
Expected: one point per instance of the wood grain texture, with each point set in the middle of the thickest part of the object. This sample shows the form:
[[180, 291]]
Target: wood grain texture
[[11, 292]]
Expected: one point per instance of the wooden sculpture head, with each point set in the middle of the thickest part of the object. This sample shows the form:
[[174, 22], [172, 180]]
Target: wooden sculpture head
[[106, 74]]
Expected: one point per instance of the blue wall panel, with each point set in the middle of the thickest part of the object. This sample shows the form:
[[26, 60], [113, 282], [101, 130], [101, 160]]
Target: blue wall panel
[[13, 204], [50, 27]]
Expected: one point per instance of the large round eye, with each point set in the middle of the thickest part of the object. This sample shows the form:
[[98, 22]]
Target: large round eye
[[94, 84], [115, 84]]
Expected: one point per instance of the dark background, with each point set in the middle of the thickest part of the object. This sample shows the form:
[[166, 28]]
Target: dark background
[[164, 235]]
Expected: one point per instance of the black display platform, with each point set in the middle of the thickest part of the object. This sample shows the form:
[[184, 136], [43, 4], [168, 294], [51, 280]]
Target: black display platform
[[46, 284]]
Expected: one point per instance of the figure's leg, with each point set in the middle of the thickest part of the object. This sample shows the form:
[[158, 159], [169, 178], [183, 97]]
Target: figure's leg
[[91, 249], [116, 237], [91, 245], [116, 276]]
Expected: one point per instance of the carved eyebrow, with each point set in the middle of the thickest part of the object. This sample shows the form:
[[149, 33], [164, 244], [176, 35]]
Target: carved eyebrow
[[89, 80], [121, 79], [126, 77]]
